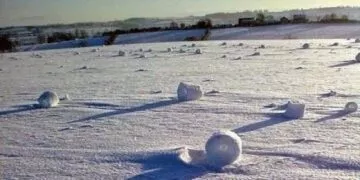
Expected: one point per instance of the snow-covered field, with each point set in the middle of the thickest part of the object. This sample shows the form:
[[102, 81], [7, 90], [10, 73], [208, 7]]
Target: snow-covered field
[[297, 31], [123, 120]]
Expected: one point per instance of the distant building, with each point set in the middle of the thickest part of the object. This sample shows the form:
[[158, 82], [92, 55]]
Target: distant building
[[284, 20], [300, 18], [21, 36], [248, 21]]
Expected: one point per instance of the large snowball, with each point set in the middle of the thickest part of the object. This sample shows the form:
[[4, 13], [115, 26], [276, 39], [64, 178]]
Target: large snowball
[[187, 92], [295, 110], [351, 107], [48, 99], [223, 148]]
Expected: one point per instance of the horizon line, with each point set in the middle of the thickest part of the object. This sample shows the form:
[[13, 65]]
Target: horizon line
[[169, 17]]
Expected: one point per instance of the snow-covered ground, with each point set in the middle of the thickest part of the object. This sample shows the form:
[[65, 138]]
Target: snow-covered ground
[[123, 120], [298, 31]]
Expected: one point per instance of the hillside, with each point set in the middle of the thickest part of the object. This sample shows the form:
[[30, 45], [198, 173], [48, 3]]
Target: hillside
[[299, 31]]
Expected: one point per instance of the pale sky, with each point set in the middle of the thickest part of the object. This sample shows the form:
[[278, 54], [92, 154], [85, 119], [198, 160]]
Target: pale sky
[[33, 12]]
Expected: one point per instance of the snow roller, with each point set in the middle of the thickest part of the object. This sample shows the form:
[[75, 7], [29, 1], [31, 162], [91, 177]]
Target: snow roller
[[48, 99], [351, 107], [223, 148], [187, 92], [294, 110]]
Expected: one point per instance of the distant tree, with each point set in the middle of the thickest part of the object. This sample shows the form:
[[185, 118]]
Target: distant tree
[[83, 34], [6, 45], [111, 39], [41, 38], [333, 17], [60, 36], [326, 18], [318, 18], [269, 17], [260, 17], [182, 26], [174, 25], [77, 33], [206, 23], [206, 35], [344, 18]]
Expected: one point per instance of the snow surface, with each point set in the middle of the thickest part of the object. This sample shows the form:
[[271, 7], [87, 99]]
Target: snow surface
[[115, 127]]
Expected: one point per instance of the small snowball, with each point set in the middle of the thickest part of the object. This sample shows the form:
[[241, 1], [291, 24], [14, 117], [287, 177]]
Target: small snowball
[[198, 51], [351, 107], [122, 53], [223, 148], [48, 99], [306, 46]]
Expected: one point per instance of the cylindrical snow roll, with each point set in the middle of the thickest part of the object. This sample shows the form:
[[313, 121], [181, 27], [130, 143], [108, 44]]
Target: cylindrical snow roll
[[223, 148], [295, 110], [48, 99], [351, 107], [187, 92]]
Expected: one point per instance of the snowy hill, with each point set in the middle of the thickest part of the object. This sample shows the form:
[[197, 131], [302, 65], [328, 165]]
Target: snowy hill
[[123, 120], [299, 31]]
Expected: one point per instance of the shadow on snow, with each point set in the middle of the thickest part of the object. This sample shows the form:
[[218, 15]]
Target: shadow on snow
[[130, 110]]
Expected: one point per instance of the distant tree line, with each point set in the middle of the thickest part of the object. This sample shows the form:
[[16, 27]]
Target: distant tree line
[[6, 45], [262, 18], [334, 18], [63, 36], [201, 24]]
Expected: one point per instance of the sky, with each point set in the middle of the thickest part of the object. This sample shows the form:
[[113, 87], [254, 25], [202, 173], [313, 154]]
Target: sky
[[36, 12]]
